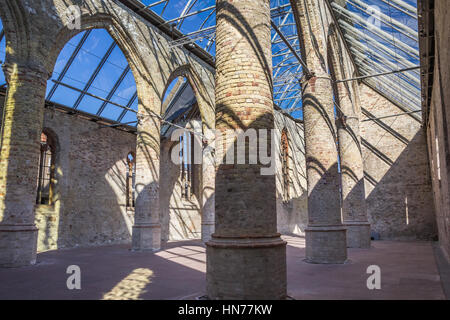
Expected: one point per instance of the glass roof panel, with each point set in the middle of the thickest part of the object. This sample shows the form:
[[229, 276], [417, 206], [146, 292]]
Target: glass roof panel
[[383, 36], [2, 53], [93, 75]]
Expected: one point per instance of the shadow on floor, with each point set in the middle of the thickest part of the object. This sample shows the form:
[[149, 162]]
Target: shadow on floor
[[111, 272], [408, 271]]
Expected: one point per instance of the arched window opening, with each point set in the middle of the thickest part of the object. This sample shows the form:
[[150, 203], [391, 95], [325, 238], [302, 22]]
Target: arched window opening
[[131, 177], [285, 164], [179, 103], [92, 75], [46, 170], [180, 108], [186, 167]]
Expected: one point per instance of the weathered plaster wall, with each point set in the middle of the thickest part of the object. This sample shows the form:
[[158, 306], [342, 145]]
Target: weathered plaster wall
[[397, 176], [292, 213], [90, 200], [438, 125]]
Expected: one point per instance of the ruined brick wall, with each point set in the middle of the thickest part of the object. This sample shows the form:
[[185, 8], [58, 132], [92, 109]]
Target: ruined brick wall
[[292, 213], [438, 125], [90, 198], [397, 177], [180, 218], [36, 32]]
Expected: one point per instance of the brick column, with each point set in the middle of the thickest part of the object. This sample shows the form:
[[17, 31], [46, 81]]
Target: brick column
[[208, 185], [146, 233], [246, 258], [325, 234], [354, 211], [19, 163]]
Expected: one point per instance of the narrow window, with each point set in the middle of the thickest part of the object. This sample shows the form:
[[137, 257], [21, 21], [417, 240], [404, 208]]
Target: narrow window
[[186, 165], [131, 176], [285, 163], [46, 171], [438, 160]]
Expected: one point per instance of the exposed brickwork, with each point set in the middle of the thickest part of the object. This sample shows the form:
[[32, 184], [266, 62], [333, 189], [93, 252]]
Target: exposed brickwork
[[346, 94], [90, 174], [397, 176], [36, 42], [324, 209], [147, 225], [208, 186], [292, 213], [438, 133], [19, 162], [181, 218], [246, 226], [397, 183]]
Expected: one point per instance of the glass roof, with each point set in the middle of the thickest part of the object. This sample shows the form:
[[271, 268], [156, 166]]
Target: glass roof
[[196, 19], [382, 36], [92, 74], [2, 53]]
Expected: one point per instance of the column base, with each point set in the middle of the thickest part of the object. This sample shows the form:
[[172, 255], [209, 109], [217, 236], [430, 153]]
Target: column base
[[246, 268], [326, 244], [358, 234], [146, 237], [207, 231], [18, 245]]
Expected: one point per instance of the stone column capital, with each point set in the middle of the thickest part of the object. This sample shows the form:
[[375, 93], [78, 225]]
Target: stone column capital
[[22, 70]]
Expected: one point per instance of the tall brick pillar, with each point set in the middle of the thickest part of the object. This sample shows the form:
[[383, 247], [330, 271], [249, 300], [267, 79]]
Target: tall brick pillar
[[208, 182], [19, 163], [354, 210], [146, 233], [325, 234], [246, 258]]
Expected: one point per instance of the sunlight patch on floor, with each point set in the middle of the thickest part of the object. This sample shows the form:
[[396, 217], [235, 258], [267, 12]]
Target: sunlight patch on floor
[[131, 287]]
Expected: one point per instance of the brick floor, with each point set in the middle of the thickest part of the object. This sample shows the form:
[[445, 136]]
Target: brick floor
[[408, 271]]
